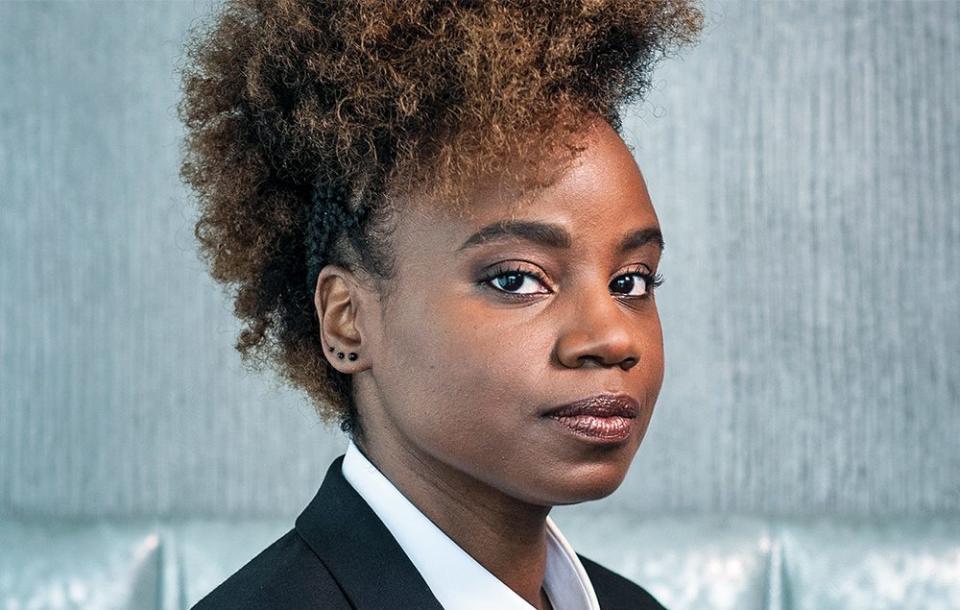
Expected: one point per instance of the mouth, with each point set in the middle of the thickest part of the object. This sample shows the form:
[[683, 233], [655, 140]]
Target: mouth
[[604, 418]]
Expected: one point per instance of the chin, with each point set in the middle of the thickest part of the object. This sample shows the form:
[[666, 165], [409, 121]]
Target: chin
[[581, 484]]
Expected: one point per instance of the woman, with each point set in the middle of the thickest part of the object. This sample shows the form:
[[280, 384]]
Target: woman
[[435, 230]]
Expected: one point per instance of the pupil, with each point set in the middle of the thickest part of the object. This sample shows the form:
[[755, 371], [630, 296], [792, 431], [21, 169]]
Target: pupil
[[625, 282], [510, 281]]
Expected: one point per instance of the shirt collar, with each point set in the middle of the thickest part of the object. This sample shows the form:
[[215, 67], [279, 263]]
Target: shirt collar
[[457, 580]]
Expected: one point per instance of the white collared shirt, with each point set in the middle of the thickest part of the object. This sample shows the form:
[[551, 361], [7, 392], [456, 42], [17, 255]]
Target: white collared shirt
[[456, 579]]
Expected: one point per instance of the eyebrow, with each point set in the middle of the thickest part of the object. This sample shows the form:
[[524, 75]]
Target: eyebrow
[[553, 235]]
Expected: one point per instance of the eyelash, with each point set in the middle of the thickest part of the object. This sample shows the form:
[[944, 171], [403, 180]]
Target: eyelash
[[650, 280]]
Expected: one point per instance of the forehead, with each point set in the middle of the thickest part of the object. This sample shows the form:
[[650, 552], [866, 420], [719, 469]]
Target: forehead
[[601, 192]]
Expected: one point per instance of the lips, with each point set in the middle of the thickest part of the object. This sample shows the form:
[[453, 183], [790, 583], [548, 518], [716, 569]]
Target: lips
[[605, 418], [601, 405]]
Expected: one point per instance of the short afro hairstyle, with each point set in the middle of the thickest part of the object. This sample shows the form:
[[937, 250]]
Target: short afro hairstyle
[[303, 117]]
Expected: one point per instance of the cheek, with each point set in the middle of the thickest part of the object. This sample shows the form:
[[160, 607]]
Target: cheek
[[651, 363], [656, 351], [455, 365]]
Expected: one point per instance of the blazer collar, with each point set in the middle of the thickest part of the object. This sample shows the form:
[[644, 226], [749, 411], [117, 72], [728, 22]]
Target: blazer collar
[[358, 549]]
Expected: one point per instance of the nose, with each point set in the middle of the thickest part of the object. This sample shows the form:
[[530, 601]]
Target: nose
[[599, 333]]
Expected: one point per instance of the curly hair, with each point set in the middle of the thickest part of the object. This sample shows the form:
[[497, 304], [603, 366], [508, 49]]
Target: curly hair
[[304, 117]]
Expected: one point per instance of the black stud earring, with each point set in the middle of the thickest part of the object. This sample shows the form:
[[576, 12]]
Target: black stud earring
[[340, 355]]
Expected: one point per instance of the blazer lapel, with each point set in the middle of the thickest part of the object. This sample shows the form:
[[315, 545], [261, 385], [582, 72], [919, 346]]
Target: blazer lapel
[[359, 550]]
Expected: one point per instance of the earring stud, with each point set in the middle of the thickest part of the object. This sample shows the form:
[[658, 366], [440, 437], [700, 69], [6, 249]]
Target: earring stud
[[340, 355]]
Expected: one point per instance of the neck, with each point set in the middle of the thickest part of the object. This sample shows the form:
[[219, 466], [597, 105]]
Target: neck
[[505, 535]]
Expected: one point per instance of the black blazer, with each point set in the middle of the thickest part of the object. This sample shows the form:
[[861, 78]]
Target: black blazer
[[340, 555]]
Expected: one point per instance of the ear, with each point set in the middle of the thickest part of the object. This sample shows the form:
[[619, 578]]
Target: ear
[[338, 299]]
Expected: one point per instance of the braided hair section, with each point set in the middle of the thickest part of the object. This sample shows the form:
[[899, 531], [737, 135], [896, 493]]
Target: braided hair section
[[330, 215]]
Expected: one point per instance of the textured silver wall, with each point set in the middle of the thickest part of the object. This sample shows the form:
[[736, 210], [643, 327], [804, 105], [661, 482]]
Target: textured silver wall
[[805, 164]]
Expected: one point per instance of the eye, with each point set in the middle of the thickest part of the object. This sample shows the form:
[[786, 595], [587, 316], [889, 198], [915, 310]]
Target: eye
[[515, 281], [524, 282], [637, 284]]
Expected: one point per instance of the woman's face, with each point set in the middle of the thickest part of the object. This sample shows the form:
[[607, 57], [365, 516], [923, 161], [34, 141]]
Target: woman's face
[[481, 338]]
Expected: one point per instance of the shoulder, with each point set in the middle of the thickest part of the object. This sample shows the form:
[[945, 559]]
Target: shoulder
[[286, 574], [614, 592]]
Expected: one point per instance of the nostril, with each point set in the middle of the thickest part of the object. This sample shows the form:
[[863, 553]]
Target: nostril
[[591, 360], [628, 363]]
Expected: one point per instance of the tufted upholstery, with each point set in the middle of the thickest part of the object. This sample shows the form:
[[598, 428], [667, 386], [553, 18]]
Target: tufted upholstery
[[687, 562]]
